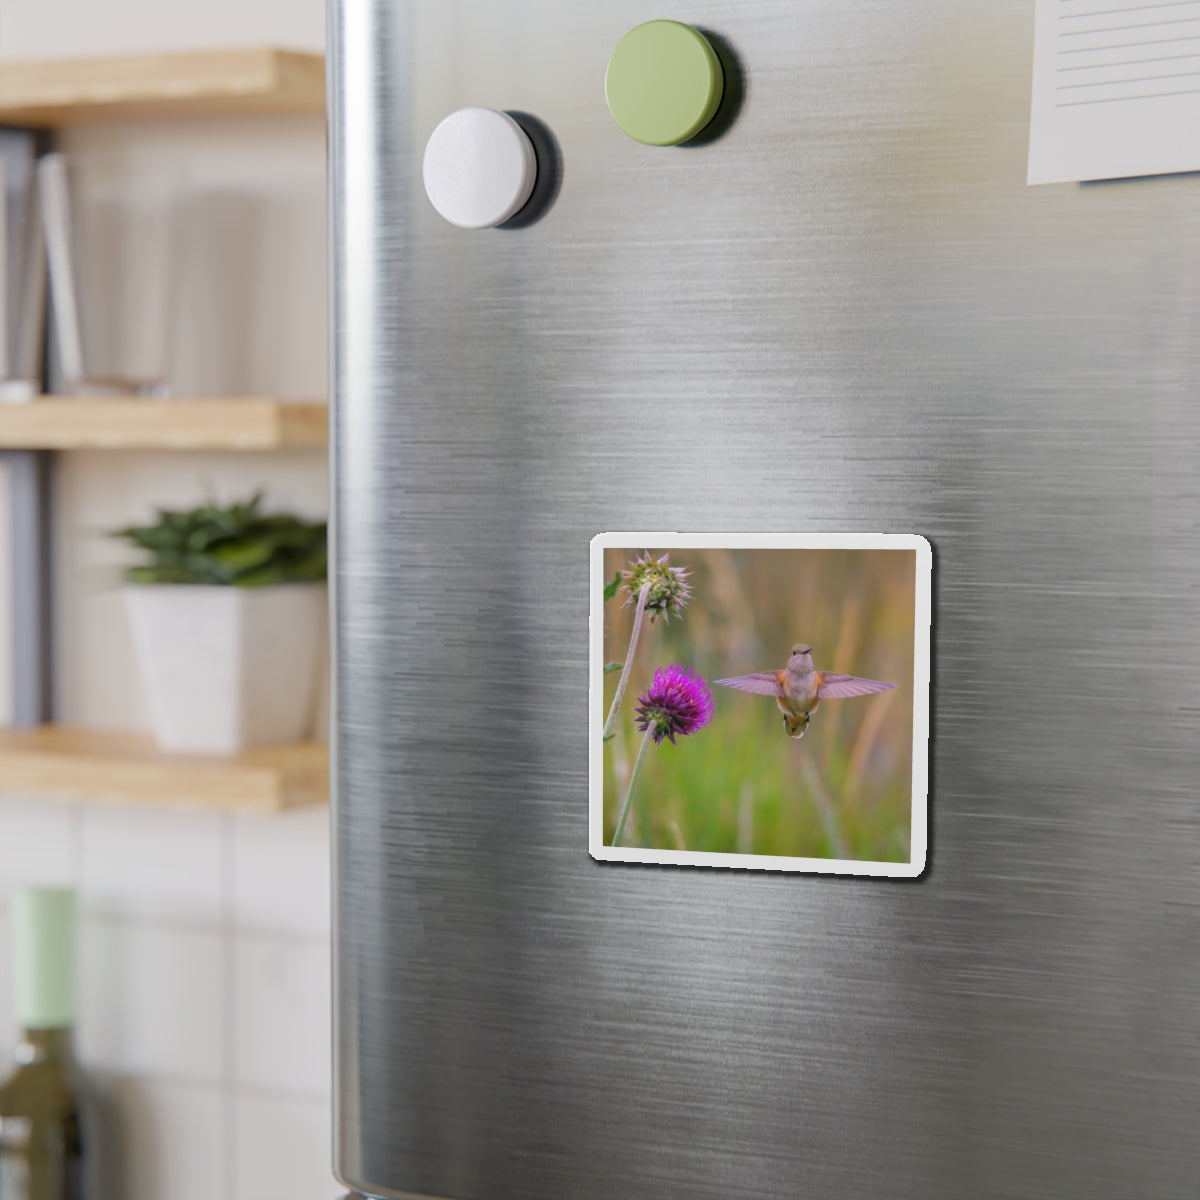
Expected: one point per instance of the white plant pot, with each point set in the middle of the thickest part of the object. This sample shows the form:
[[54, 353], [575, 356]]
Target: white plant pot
[[227, 668]]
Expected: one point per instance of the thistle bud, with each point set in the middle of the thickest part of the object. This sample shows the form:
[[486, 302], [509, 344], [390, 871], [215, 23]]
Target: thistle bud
[[669, 587]]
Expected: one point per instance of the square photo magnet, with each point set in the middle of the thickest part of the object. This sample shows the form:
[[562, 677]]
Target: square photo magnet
[[761, 702]]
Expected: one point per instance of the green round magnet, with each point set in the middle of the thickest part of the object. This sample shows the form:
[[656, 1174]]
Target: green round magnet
[[664, 83]]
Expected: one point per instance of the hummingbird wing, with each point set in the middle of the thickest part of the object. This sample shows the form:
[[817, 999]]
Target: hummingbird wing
[[842, 687], [764, 683]]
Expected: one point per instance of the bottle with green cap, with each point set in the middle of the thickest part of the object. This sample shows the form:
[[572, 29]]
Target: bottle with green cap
[[44, 1123]]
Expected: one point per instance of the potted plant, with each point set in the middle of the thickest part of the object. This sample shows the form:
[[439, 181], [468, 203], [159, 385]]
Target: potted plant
[[228, 622]]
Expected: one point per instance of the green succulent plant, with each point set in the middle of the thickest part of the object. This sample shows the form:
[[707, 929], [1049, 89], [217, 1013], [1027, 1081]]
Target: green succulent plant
[[237, 546]]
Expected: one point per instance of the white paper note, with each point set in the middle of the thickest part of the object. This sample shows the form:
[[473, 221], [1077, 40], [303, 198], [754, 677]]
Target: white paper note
[[1116, 89]]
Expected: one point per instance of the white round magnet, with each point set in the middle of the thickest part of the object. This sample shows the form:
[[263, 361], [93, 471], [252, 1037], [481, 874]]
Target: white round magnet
[[479, 168]]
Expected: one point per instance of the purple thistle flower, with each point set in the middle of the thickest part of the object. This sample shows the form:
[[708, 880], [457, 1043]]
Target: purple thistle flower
[[677, 701]]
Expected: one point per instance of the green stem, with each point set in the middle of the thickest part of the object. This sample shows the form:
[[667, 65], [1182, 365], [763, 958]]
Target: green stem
[[637, 766], [639, 616]]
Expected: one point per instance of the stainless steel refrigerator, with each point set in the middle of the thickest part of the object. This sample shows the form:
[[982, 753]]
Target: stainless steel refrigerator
[[840, 308]]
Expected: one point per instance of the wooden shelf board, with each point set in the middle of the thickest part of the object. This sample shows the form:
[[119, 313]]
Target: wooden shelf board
[[81, 764], [213, 83], [228, 423]]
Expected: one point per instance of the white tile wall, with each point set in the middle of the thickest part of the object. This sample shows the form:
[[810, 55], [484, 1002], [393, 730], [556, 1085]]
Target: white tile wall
[[6, 699], [171, 1140], [155, 864], [156, 1000], [281, 1015], [38, 842], [282, 1150], [281, 872], [7, 1015], [205, 989]]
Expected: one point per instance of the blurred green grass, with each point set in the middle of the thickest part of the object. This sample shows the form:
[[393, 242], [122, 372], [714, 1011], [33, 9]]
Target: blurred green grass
[[741, 785]]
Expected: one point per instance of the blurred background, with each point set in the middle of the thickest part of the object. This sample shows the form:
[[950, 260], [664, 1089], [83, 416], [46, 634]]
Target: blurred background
[[205, 935], [741, 785]]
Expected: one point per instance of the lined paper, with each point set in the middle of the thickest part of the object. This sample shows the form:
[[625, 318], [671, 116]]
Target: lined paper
[[1116, 89]]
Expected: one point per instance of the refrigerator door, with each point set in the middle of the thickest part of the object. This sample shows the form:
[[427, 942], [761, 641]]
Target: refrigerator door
[[845, 313]]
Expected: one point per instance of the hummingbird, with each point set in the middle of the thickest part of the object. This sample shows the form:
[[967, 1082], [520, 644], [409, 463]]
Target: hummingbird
[[800, 687]]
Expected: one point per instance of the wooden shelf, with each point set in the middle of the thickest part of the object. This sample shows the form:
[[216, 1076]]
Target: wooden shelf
[[79, 764], [229, 423], [216, 83]]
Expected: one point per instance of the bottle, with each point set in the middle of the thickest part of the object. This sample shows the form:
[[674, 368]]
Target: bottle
[[42, 1124]]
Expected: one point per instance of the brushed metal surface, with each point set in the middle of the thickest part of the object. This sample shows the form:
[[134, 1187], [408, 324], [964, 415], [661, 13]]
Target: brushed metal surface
[[847, 313]]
